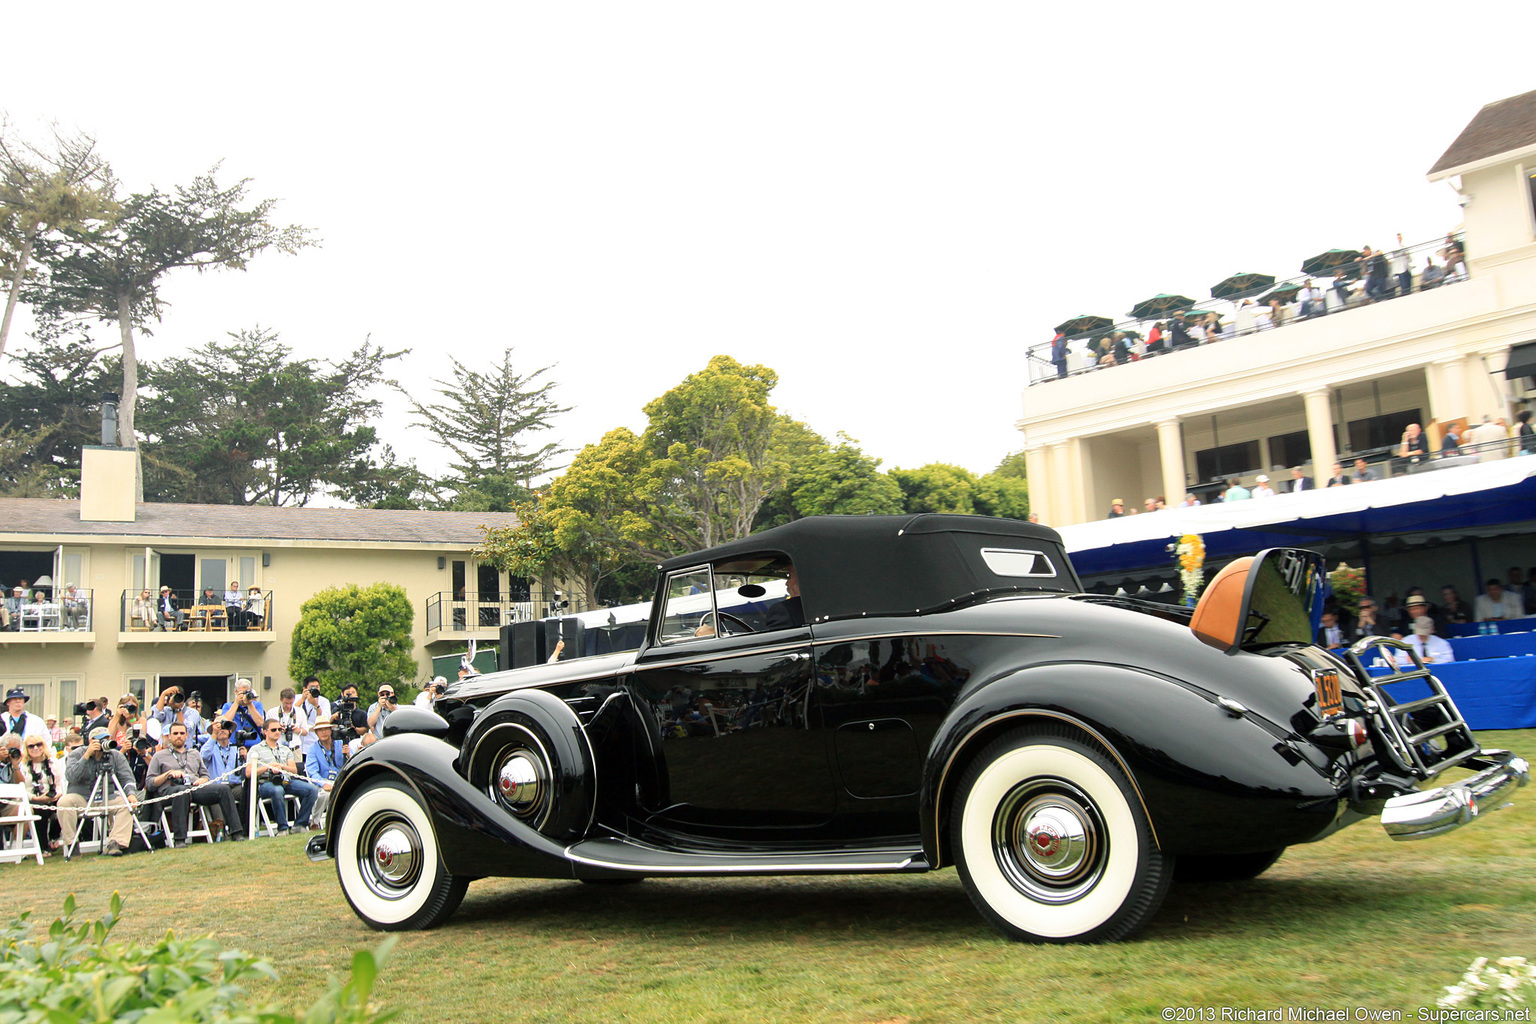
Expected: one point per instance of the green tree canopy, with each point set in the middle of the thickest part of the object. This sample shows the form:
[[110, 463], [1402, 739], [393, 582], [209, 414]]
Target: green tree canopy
[[936, 487], [492, 422], [54, 402], [240, 422], [112, 270], [354, 634], [66, 186]]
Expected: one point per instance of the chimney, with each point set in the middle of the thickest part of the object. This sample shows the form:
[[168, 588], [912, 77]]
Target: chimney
[[108, 474]]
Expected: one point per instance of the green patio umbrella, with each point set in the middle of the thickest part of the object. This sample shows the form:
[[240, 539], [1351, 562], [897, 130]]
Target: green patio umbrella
[[1240, 286], [1325, 263], [1084, 324], [1285, 293], [1159, 305]]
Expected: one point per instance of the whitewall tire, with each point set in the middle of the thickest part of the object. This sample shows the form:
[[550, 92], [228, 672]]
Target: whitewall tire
[[388, 860], [1052, 843]]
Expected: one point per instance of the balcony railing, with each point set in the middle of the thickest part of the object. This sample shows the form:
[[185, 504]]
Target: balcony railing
[[196, 613], [472, 612], [40, 612], [1344, 292]]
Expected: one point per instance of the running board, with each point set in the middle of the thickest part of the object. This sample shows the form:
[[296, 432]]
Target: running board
[[638, 858]]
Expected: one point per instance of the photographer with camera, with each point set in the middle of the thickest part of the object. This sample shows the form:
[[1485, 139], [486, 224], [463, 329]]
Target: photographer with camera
[[273, 771], [120, 725], [380, 710], [322, 765], [97, 768], [429, 693], [352, 730], [287, 715], [314, 708], [177, 771], [174, 706], [223, 760], [247, 714]]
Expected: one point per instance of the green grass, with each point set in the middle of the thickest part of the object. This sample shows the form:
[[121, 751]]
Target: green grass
[[1356, 920]]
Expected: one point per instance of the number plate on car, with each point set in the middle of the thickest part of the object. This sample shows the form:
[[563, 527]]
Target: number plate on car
[[1330, 701]]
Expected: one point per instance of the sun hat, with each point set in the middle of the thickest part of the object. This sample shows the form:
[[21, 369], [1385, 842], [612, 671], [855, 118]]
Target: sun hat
[[17, 692]]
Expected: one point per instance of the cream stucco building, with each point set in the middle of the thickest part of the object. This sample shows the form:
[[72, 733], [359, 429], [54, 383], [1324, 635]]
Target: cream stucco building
[[1312, 391], [112, 548]]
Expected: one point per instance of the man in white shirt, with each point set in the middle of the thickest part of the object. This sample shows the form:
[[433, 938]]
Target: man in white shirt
[[18, 720], [1433, 650], [1495, 604], [1261, 488], [1311, 299]]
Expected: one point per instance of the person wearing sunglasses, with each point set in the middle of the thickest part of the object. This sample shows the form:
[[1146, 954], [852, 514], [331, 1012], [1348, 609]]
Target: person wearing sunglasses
[[275, 772], [43, 775]]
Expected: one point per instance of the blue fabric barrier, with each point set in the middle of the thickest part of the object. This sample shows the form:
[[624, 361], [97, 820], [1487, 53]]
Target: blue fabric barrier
[[1500, 645], [1524, 625], [1494, 694]]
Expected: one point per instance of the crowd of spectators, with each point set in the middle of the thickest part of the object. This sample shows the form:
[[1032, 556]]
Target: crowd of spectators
[[173, 757], [1372, 276], [35, 606], [1420, 622]]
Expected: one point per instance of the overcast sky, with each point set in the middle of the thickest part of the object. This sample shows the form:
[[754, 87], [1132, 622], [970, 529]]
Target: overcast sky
[[885, 202]]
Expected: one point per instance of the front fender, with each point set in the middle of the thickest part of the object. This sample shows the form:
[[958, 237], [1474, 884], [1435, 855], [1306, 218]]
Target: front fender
[[474, 835], [1210, 782]]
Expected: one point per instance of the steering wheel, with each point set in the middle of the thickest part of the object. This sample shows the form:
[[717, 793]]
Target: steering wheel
[[736, 624]]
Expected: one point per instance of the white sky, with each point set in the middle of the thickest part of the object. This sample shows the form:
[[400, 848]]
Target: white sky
[[885, 202]]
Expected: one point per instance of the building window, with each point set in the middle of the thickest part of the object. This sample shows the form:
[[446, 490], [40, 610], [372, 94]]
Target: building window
[[1291, 449], [1227, 461], [1385, 431]]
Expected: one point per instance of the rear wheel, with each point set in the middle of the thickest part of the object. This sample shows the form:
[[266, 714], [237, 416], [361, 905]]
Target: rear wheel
[[388, 860], [1052, 843], [1227, 867]]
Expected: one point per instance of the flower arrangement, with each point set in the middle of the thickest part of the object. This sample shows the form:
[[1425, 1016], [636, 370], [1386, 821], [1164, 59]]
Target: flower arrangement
[[1348, 586], [1191, 554], [1509, 982]]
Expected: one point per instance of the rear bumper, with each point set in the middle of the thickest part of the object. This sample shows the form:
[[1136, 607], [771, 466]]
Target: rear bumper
[[1433, 812]]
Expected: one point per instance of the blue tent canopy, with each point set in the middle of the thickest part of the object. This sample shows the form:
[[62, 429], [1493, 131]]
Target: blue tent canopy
[[1448, 501]]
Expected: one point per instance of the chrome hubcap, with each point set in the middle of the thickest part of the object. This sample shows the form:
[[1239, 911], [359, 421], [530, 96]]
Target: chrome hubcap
[[390, 856], [1049, 841], [518, 782]]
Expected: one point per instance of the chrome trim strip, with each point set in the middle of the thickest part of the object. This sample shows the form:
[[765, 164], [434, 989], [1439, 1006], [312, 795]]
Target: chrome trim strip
[[1036, 713], [889, 634], [747, 866], [740, 652]]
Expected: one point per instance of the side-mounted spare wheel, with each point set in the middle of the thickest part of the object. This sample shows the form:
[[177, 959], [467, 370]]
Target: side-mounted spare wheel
[[1052, 842], [531, 756], [389, 862]]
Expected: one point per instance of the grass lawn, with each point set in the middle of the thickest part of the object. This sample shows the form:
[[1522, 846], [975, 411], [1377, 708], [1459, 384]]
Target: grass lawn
[[1354, 921]]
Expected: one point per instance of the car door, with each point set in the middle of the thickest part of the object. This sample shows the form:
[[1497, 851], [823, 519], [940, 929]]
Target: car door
[[739, 750]]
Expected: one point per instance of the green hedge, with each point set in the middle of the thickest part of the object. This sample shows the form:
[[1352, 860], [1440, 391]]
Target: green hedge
[[73, 975]]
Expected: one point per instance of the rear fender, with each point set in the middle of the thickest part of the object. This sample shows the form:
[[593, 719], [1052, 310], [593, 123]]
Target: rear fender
[[474, 835], [1210, 780]]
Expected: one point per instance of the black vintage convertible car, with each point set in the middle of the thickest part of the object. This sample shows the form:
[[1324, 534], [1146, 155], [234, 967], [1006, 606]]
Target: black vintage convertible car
[[906, 693]]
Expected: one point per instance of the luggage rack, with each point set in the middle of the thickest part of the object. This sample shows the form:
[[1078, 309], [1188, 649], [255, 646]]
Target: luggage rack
[[1423, 736]]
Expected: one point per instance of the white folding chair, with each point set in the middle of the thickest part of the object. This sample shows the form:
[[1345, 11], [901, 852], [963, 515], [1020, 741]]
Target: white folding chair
[[197, 824], [16, 814]]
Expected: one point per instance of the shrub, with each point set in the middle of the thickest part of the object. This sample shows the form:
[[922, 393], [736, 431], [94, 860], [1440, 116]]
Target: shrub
[[74, 975]]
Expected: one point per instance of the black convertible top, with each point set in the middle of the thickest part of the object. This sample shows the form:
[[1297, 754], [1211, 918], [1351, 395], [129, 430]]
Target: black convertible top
[[850, 566]]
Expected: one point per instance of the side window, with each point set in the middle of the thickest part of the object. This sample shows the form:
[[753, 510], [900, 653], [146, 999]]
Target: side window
[[690, 603]]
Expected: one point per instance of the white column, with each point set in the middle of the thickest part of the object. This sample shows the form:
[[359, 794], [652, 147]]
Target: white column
[[1171, 447], [1061, 486], [1320, 432], [1037, 466]]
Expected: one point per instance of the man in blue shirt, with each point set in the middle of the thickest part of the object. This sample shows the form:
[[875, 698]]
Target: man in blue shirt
[[247, 714], [322, 765], [221, 760]]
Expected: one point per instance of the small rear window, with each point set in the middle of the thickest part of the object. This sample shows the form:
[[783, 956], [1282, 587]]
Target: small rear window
[[1018, 562]]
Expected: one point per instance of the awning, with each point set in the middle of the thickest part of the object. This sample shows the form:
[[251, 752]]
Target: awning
[[1522, 361], [1462, 498]]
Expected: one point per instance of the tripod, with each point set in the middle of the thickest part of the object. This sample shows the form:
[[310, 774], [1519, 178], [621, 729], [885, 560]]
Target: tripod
[[105, 778]]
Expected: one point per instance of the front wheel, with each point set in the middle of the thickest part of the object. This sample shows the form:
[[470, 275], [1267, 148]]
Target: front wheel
[[388, 860], [1052, 843]]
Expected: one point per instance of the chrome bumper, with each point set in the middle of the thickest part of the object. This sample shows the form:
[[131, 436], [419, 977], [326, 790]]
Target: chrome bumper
[[1436, 811]]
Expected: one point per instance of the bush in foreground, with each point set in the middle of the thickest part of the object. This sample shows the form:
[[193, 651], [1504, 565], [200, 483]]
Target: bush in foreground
[[73, 975]]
